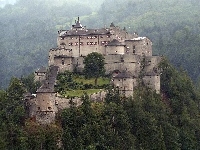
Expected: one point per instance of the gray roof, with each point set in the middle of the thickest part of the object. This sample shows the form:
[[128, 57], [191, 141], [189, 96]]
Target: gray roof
[[152, 74], [115, 42], [62, 56], [124, 74], [85, 32], [41, 70], [48, 85]]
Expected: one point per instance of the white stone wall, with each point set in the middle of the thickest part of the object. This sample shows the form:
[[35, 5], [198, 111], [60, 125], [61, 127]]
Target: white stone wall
[[151, 63], [126, 85], [139, 46], [115, 50], [63, 63], [58, 52], [40, 77]]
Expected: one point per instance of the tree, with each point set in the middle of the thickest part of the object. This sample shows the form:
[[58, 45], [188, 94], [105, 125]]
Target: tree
[[94, 66]]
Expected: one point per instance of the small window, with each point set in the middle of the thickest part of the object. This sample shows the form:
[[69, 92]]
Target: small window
[[63, 62], [49, 108]]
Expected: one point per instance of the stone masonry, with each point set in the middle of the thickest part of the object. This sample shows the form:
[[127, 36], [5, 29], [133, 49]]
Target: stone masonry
[[126, 57]]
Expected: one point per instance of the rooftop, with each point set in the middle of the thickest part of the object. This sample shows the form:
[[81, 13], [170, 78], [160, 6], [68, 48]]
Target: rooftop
[[124, 74], [115, 42]]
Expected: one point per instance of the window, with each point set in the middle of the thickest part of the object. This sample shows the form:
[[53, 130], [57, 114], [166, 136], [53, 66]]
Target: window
[[63, 62], [133, 49]]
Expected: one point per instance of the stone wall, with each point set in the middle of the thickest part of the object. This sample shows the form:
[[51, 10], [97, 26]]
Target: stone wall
[[115, 50], [44, 106], [139, 46], [58, 52], [153, 82]]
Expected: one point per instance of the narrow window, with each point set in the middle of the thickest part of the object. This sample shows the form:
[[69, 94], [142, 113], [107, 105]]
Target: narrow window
[[133, 49]]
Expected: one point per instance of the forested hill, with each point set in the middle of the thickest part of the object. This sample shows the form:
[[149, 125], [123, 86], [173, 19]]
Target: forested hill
[[29, 27]]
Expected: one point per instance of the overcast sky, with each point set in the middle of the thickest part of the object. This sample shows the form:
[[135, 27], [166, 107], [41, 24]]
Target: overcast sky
[[4, 2]]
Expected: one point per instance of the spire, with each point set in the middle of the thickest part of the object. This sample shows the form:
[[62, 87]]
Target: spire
[[77, 24]]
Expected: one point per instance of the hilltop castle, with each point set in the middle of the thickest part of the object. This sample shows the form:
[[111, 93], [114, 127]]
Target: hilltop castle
[[127, 57]]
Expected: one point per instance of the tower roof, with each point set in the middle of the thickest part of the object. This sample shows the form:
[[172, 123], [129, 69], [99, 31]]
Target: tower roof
[[115, 42], [124, 74], [77, 25], [42, 70]]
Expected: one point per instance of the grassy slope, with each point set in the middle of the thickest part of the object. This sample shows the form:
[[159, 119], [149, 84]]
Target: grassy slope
[[80, 79]]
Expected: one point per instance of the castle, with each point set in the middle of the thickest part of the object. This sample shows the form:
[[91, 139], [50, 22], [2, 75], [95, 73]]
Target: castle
[[127, 58]]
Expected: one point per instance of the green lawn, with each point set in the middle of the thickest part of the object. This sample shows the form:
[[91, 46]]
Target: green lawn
[[100, 81], [79, 93]]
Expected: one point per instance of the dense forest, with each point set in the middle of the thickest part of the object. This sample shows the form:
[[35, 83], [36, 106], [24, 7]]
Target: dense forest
[[148, 121]]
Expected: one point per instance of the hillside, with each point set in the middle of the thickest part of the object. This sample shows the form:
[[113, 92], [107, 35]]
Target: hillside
[[147, 120], [28, 29]]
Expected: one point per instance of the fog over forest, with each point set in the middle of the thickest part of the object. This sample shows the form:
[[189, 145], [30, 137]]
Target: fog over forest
[[29, 29], [168, 120]]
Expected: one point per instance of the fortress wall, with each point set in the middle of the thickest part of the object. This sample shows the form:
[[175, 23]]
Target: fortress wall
[[119, 34], [131, 58], [45, 117], [131, 67], [85, 44], [114, 50], [45, 108], [63, 103], [87, 49], [46, 102], [126, 85], [98, 97], [32, 107], [113, 66], [40, 77], [152, 63], [112, 58], [58, 52], [63, 63], [139, 47], [153, 82]]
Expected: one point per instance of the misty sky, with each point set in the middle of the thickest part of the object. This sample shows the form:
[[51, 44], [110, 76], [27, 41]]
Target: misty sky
[[4, 2]]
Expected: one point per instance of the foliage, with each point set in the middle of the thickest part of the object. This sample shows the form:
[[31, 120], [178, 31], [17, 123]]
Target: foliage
[[30, 84], [94, 66], [72, 85]]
